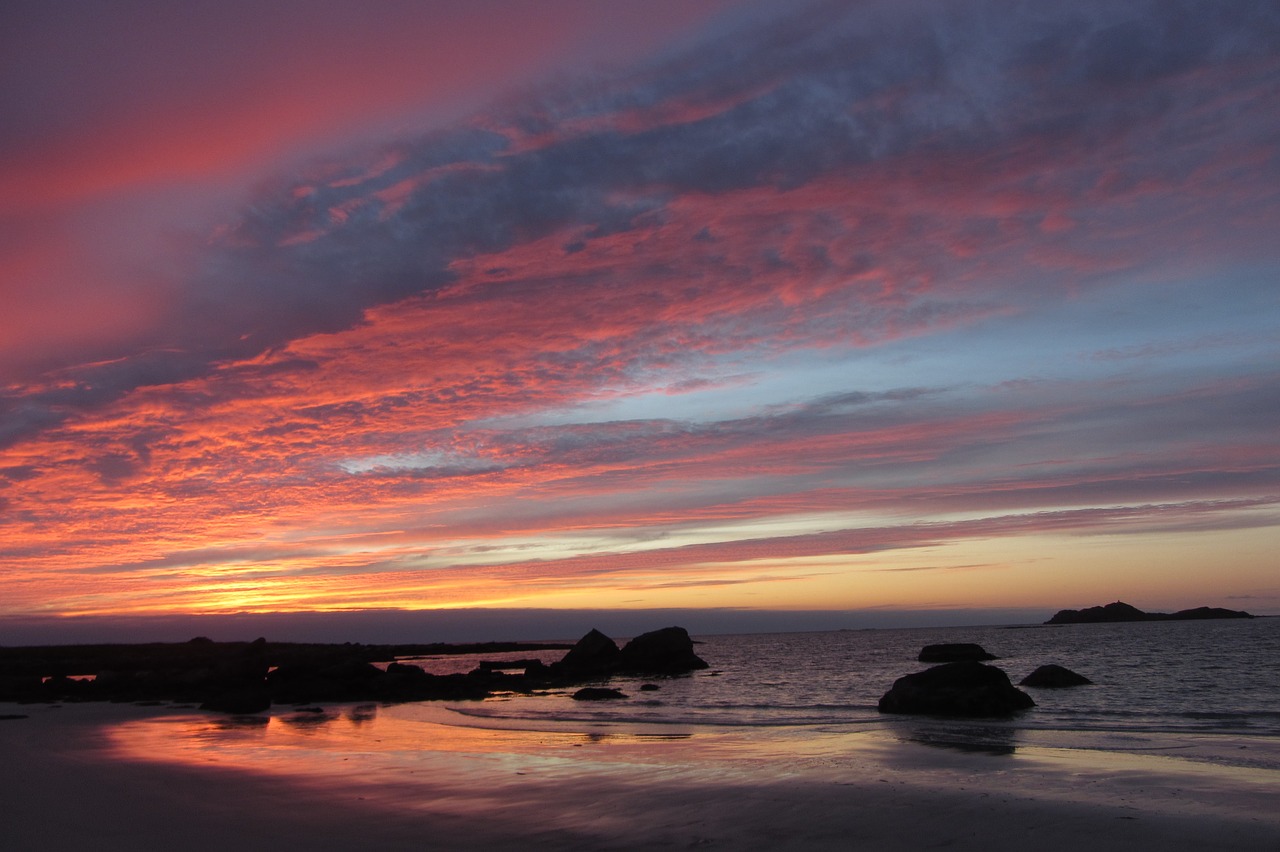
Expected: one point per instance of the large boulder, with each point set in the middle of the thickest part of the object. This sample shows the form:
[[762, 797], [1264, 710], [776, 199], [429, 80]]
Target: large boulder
[[665, 651], [954, 652], [594, 653], [337, 678], [1053, 676], [968, 689]]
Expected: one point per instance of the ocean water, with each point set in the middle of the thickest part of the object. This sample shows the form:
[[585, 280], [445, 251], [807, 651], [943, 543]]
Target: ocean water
[[1206, 692], [1197, 678]]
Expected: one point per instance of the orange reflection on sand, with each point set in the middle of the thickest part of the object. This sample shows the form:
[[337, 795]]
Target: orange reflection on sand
[[398, 756]]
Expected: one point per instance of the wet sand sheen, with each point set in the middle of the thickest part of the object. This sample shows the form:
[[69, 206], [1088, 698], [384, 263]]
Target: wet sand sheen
[[115, 777]]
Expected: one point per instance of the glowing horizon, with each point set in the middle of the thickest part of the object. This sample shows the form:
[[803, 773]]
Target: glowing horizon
[[838, 306]]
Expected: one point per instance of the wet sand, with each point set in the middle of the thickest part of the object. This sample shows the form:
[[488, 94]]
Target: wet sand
[[119, 777]]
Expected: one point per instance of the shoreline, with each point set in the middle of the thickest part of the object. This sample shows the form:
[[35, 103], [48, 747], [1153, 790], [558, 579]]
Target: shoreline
[[78, 775]]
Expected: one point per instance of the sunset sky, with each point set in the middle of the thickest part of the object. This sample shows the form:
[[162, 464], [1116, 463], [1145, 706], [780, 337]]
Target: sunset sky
[[957, 308]]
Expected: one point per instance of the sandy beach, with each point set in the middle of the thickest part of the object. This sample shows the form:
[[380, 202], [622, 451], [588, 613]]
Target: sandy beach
[[123, 777]]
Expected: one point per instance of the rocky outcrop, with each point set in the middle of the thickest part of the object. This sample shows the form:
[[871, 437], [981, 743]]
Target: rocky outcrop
[[1053, 676], [248, 699], [1204, 612], [594, 653], [247, 677], [967, 689], [954, 652], [665, 651], [1120, 611], [668, 651]]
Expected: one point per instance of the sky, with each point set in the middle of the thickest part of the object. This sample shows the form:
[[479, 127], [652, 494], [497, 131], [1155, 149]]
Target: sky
[[800, 314]]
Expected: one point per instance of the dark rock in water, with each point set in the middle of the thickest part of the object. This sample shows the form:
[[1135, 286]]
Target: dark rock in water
[[954, 652], [247, 699], [1054, 677], [968, 689], [594, 653], [406, 669], [507, 665], [343, 678], [649, 687], [597, 693], [665, 651], [1121, 611]]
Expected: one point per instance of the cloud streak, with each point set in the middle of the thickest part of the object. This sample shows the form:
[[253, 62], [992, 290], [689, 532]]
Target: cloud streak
[[811, 283]]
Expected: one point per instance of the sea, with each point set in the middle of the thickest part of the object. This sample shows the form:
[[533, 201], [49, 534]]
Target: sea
[[1199, 691], [1219, 677]]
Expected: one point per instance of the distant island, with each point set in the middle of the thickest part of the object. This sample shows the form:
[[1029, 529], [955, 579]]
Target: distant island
[[1120, 611]]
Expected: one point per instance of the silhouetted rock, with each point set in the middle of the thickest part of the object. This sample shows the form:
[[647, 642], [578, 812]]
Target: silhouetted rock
[[953, 652], [968, 689], [665, 651], [453, 687], [1207, 612], [649, 687], [406, 669], [594, 653], [338, 678], [507, 665], [242, 700], [1120, 611], [1053, 676], [598, 693], [233, 676], [20, 688]]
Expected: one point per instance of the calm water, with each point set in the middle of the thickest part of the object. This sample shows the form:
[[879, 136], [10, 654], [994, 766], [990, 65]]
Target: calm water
[[1199, 691], [1209, 677]]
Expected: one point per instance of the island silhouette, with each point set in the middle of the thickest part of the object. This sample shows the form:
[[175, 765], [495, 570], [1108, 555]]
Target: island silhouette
[[1121, 611]]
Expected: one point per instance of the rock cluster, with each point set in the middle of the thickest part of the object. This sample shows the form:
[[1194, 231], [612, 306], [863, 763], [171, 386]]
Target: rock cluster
[[964, 686], [250, 677]]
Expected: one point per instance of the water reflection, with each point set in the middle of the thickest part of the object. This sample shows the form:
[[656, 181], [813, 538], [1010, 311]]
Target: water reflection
[[306, 720], [968, 737], [361, 713], [232, 723]]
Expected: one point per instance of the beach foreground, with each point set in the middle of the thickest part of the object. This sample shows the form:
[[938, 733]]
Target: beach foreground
[[122, 777]]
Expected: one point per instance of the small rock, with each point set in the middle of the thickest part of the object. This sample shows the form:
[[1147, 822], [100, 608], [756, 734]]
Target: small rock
[[597, 693], [954, 652], [1054, 677]]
